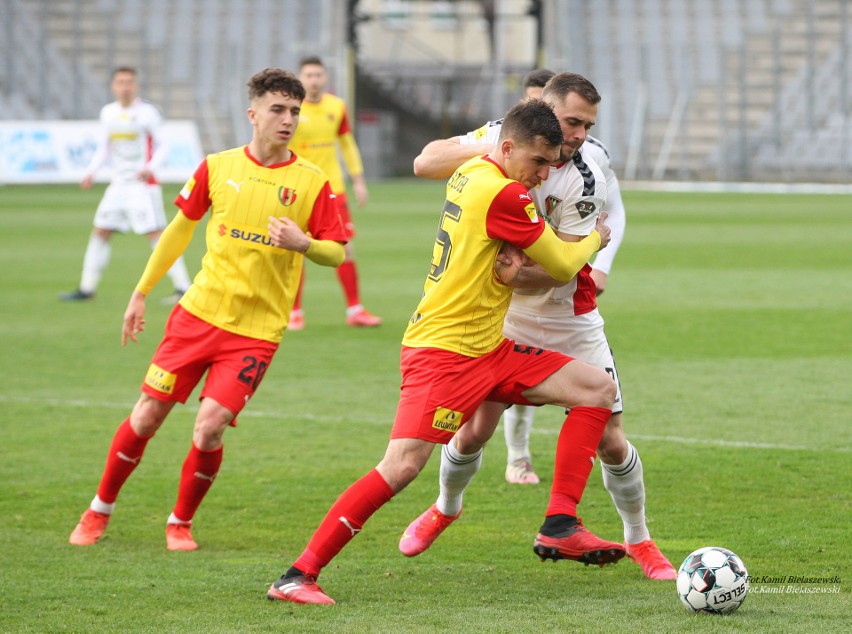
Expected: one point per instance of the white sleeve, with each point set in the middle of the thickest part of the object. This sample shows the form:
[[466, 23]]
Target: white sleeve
[[489, 133], [617, 221], [161, 146], [99, 158]]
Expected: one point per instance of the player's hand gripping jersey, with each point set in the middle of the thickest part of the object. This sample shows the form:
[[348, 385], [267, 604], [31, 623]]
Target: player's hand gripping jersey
[[570, 200], [464, 303]]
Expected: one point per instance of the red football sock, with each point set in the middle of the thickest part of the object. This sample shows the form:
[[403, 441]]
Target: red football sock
[[344, 519], [575, 456], [297, 305], [124, 455], [348, 276], [196, 478]]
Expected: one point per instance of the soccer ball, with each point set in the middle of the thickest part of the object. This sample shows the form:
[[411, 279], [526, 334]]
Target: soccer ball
[[712, 580]]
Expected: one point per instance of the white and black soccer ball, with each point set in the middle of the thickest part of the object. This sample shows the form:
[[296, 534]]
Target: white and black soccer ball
[[712, 580]]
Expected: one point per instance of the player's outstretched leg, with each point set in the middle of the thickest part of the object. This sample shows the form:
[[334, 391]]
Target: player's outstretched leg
[[123, 457], [626, 486], [456, 472], [343, 521]]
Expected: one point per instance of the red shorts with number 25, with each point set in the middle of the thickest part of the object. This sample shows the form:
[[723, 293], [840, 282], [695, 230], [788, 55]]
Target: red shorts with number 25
[[441, 390], [190, 347]]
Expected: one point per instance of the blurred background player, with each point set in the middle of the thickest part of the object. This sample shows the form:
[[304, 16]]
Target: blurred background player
[[564, 319], [231, 320], [131, 141], [323, 129]]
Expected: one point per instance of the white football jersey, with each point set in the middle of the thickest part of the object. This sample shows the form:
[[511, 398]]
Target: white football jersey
[[130, 140], [614, 207], [570, 200]]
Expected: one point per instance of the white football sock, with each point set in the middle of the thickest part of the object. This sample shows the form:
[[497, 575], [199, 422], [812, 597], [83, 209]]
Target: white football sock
[[99, 506], [457, 470], [174, 519], [94, 263], [517, 422], [627, 488], [178, 273]]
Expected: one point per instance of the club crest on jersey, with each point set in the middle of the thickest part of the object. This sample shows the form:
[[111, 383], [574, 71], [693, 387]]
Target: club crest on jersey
[[585, 208], [447, 420], [286, 195], [551, 203]]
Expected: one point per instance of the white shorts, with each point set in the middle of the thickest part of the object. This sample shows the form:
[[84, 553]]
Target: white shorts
[[136, 207], [578, 336]]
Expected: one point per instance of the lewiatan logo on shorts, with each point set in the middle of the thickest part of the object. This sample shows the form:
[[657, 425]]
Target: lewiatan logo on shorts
[[447, 420]]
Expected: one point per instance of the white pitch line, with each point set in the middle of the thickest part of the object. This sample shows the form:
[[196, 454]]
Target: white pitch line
[[337, 418], [719, 443]]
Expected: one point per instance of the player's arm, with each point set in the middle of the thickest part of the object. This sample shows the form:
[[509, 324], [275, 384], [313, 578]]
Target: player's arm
[[441, 157], [562, 260], [354, 166], [172, 243], [324, 223], [99, 157], [525, 273], [160, 145], [286, 234], [617, 221]]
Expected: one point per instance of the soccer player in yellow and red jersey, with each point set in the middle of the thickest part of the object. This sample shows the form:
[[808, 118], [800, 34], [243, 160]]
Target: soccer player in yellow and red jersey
[[269, 209], [454, 355], [324, 128]]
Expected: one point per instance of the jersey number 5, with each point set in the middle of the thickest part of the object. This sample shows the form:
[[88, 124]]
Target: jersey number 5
[[443, 243]]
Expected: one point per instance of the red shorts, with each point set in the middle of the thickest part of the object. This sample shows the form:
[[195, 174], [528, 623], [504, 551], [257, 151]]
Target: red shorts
[[234, 364], [441, 390], [345, 216]]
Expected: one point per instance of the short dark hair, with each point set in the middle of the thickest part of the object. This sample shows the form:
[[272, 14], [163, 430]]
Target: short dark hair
[[310, 60], [529, 120], [124, 69], [537, 78], [275, 80], [563, 83]]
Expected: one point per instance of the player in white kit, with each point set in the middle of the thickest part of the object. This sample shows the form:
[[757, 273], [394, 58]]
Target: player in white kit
[[564, 318], [132, 143], [517, 421]]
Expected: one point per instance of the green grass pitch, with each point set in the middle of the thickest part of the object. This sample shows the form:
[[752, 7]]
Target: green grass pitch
[[731, 319]]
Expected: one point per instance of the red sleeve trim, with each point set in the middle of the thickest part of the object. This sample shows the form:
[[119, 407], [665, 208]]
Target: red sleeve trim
[[507, 218], [344, 124], [194, 203], [325, 222]]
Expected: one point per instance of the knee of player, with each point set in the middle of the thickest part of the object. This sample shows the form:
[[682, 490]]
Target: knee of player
[[604, 389], [208, 433], [148, 415], [398, 473]]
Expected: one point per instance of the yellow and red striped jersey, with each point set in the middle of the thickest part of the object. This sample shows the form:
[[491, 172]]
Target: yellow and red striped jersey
[[247, 285], [323, 126], [464, 304]]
